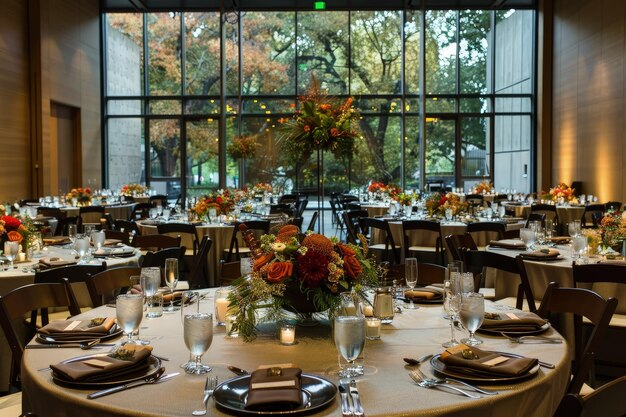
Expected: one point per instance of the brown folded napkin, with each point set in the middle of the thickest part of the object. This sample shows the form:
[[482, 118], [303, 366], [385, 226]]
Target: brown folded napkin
[[112, 242], [56, 240], [541, 254], [63, 330], [55, 262], [514, 321], [478, 361], [275, 388], [560, 240], [508, 244], [126, 359], [427, 293], [172, 296]]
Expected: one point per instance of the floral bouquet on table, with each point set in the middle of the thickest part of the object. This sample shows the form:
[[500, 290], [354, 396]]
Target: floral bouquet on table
[[320, 123], [563, 191], [484, 187], [437, 204], [291, 270], [612, 230], [82, 195], [242, 147], [16, 229], [223, 201], [262, 188], [404, 199], [380, 189], [131, 190]]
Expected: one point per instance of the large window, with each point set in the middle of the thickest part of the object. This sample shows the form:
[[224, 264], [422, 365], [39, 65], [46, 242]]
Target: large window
[[445, 96]]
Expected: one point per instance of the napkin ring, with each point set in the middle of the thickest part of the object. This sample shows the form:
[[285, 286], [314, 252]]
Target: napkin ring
[[274, 371]]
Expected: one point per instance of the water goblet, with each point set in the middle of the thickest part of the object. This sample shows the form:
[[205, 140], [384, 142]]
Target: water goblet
[[451, 304], [350, 340], [11, 249], [98, 238], [466, 282], [190, 304], [129, 312], [573, 228], [171, 279], [410, 276], [166, 214], [472, 314], [198, 335], [448, 214], [72, 231], [159, 210], [150, 280], [528, 236], [579, 244], [81, 246]]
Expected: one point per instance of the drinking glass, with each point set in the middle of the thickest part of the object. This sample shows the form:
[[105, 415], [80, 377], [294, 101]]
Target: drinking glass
[[410, 275], [171, 279], [72, 231], [129, 311], [579, 244], [448, 214], [150, 280], [528, 236], [221, 305], [189, 307], [198, 335], [350, 304], [451, 303], [81, 246], [11, 249], [98, 238], [466, 282], [472, 314], [166, 214], [573, 228], [349, 339]]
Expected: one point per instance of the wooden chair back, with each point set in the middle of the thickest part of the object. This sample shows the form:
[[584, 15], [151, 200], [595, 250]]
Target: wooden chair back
[[199, 275], [607, 401], [156, 242], [106, 285]]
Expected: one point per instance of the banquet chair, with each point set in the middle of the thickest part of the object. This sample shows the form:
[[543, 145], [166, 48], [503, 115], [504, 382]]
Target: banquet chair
[[300, 207], [428, 273], [157, 259], [229, 272], [181, 229], [457, 243], [55, 212], [429, 234], [30, 298], [140, 211], [127, 226], [335, 207], [606, 401], [613, 206], [581, 303], [90, 215], [475, 200], [106, 285], [536, 217], [588, 215], [76, 275], [352, 205], [61, 229], [158, 200], [486, 231], [124, 237], [351, 223], [199, 273], [258, 227], [477, 260], [282, 208], [152, 242], [549, 210], [389, 250], [596, 219], [312, 223], [296, 221], [288, 199]]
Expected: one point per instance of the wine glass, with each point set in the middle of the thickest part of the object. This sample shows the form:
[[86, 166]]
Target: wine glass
[[472, 314], [129, 312], [528, 236], [150, 280], [579, 244], [198, 335], [72, 231], [11, 249], [410, 275], [349, 339], [451, 303], [171, 279], [573, 228], [190, 304]]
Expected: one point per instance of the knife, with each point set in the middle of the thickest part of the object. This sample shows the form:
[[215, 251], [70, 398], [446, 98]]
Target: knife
[[59, 346], [345, 405], [354, 393], [153, 379]]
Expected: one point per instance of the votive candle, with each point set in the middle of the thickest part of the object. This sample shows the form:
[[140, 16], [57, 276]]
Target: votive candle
[[287, 334]]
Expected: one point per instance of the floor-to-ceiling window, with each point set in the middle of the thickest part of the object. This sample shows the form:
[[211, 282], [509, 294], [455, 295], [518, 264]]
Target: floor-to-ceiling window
[[446, 96]]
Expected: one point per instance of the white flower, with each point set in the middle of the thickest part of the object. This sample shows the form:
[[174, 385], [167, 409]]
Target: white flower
[[278, 247]]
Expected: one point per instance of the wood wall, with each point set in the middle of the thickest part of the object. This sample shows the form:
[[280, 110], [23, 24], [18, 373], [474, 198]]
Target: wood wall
[[589, 120]]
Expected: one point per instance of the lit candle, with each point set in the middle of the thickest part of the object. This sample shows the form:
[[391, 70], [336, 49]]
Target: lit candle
[[21, 257], [287, 334], [221, 308], [368, 310], [372, 328]]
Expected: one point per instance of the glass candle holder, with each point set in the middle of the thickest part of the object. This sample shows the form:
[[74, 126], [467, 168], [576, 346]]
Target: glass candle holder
[[372, 328], [287, 334]]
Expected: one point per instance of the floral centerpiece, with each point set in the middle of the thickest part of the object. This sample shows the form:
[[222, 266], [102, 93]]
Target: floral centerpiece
[[437, 204], [403, 199], [262, 188], [291, 270], [320, 123], [131, 190], [380, 189], [612, 230], [223, 201], [242, 147], [16, 229], [484, 187], [82, 195], [563, 191]]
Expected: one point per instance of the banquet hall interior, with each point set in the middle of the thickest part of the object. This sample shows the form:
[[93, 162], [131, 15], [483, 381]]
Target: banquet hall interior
[[299, 156]]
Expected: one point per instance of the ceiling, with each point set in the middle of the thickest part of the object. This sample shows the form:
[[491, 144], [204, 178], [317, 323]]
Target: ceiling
[[160, 5]]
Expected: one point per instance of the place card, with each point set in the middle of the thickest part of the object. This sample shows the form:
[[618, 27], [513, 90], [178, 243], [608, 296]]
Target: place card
[[72, 325], [496, 361]]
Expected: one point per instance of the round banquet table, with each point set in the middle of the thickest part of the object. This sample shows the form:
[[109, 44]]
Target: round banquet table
[[566, 214], [386, 389], [220, 235], [117, 211]]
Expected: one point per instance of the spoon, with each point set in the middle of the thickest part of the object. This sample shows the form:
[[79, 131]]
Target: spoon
[[415, 362], [237, 371]]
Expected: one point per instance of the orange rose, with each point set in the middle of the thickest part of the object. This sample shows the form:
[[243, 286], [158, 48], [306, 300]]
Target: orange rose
[[352, 266], [15, 236], [278, 271], [307, 128], [346, 250], [325, 107], [262, 260], [334, 132]]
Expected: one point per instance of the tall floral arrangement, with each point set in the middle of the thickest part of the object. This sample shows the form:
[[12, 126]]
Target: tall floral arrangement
[[437, 204], [82, 195], [222, 201], [404, 199], [380, 189], [16, 228], [563, 191], [317, 267], [320, 123], [612, 229], [483, 187], [242, 147], [130, 190]]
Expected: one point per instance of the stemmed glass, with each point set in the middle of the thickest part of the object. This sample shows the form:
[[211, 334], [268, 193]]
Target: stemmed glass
[[150, 281], [472, 314], [11, 249], [189, 307], [198, 334], [350, 340], [452, 303], [528, 236], [81, 245], [573, 228], [72, 231], [129, 312], [579, 244], [410, 275], [171, 279]]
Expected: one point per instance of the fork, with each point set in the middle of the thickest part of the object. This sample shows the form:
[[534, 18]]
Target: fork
[[533, 339], [457, 381], [209, 387], [424, 382]]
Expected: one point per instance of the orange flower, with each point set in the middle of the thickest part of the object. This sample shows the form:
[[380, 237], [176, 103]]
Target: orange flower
[[334, 132], [352, 266], [278, 271], [15, 236], [307, 128], [262, 260], [346, 250], [325, 107]]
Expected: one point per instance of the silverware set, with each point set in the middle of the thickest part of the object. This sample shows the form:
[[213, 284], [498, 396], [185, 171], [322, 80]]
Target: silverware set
[[209, 387], [350, 399], [158, 377], [534, 339], [424, 382]]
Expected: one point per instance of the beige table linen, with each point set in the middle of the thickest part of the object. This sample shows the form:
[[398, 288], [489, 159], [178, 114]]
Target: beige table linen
[[566, 213], [117, 211], [386, 389]]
